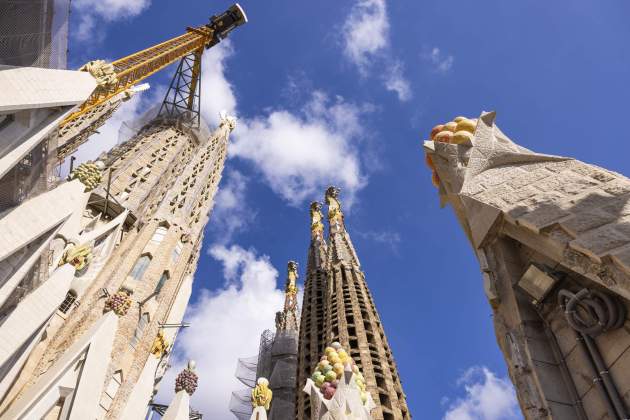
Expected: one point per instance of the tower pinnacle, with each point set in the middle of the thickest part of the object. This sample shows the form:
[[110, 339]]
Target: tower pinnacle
[[335, 215], [287, 319], [317, 227]]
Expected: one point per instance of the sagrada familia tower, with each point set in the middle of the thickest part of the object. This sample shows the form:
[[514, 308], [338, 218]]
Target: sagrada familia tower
[[96, 270], [552, 237]]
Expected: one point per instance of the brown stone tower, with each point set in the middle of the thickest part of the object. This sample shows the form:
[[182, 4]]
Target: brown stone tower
[[552, 236], [352, 319], [312, 334]]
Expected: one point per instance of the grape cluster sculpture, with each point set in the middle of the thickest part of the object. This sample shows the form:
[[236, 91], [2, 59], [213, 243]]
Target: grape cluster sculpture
[[120, 302], [187, 379]]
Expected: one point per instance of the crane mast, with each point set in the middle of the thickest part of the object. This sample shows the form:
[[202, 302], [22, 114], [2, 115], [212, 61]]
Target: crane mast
[[117, 79]]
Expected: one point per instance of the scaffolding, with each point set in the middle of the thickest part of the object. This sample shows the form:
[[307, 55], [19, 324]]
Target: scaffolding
[[264, 354], [248, 370]]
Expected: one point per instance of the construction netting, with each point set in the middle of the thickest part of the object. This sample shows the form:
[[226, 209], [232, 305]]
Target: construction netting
[[240, 404], [34, 33], [28, 178], [246, 370], [264, 354]]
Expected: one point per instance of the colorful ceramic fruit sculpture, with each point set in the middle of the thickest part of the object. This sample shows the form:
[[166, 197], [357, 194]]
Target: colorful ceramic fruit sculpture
[[330, 369], [89, 174], [187, 379], [459, 131], [120, 302]]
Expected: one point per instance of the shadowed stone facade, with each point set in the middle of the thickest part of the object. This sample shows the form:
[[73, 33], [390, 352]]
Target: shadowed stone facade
[[552, 238], [350, 317]]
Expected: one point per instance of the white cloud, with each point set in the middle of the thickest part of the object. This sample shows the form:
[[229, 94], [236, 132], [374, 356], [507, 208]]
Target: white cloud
[[299, 154], [366, 44], [217, 92], [366, 32], [440, 61], [487, 398], [231, 213], [92, 12], [386, 237], [226, 324], [396, 82]]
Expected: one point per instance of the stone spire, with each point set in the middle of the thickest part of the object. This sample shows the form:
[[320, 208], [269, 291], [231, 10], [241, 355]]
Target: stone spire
[[185, 386], [311, 343], [287, 319], [350, 318], [340, 246]]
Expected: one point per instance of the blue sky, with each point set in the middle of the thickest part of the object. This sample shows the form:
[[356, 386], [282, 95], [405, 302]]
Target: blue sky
[[344, 92]]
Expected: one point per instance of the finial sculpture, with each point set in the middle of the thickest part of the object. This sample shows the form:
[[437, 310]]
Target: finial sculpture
[[102, 71], [160, 344], [187, 379], [120, 302], [335, 215], [459, 131], [185, 385], [261, 399], [227, 120], [337, 388], [317, 226], [287, 319], [88, 173], [79, 256]]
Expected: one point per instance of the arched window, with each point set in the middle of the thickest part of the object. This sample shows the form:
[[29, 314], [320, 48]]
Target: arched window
[[140, 267], [159, 234], [137, 335], [68, 302], [161, 282]]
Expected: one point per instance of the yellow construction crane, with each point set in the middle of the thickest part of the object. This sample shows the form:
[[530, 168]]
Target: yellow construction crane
[[118, 78]]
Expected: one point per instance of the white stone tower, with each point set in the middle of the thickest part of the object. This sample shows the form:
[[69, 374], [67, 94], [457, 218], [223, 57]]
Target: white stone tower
[[127, 261]]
